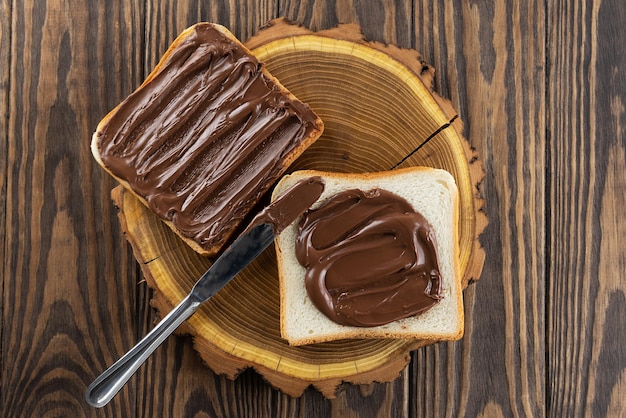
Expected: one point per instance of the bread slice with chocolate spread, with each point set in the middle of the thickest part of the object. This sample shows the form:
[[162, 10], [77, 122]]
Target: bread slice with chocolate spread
[[205, 136], [360, 271]]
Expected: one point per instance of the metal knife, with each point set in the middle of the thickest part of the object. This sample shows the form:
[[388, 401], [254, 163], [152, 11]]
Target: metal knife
[[246, 248]]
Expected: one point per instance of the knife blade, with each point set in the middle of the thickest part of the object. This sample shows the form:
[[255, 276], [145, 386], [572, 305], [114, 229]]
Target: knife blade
[[250, 244]]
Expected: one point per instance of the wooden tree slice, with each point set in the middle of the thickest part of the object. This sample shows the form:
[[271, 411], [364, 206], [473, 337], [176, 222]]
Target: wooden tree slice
[[380, 113]]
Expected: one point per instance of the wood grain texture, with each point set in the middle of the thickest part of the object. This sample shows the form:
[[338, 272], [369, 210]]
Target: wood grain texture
[[490, 62], [5, 48], [587, 298], [64, 251], [540, 88], [382, 20]]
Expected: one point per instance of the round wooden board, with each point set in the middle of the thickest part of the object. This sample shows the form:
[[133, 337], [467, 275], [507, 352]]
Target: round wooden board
[[380, 113]]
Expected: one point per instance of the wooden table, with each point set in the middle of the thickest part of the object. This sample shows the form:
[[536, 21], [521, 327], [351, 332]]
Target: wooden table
[[541, 90]]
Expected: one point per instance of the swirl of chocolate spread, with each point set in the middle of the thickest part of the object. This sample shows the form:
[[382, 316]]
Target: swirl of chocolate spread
[[203, 139], [370, 258]]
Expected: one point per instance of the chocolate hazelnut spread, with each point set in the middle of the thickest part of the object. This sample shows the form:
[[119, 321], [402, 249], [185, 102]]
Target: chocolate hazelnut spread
[[370, 258], [205, 138], [290, 204]]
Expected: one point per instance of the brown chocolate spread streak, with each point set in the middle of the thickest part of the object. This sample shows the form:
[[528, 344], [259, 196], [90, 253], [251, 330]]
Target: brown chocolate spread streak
[[203, 139], [290, 204], [370, 258]]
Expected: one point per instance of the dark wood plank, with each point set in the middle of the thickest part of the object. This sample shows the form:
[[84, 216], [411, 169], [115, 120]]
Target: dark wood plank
[[587, 298], [489, 59], [64, 251], [5, 49], [383, 21]]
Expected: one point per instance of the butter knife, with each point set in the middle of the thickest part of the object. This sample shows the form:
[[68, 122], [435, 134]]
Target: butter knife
[[257, 237]]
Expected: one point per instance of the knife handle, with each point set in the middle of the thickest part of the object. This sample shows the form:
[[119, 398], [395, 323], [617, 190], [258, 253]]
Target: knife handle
[[106, 386]]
